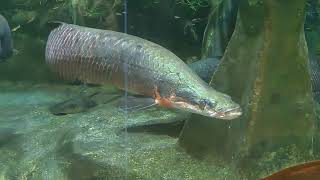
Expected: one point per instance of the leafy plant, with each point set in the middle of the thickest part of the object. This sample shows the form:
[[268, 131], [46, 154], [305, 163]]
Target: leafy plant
[[194, 4]]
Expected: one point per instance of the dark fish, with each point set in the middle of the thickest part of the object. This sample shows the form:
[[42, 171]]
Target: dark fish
[[6, 47], [206, 67], [72, 106], [102, 57], [305, 171], [82, 103]]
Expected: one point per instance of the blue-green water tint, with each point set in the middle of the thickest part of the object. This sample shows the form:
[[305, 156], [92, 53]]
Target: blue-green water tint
[[95, 144], [125, 29]]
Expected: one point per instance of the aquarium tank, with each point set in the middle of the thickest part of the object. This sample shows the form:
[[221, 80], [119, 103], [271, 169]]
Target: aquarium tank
[[159, 89]]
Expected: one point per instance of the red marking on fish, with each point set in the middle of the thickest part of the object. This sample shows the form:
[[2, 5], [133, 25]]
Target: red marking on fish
[[162, 101]]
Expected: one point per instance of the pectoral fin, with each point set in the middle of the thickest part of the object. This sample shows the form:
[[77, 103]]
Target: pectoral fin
[[136, 103]]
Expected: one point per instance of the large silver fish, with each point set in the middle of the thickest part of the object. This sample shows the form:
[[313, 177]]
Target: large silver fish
[[106, 57]]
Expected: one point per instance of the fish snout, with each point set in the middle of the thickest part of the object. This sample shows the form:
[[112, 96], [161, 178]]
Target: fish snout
[[231, 113]]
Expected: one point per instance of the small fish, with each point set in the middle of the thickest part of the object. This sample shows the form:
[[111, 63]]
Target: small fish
[[6, 45], [108, 57], [72, 106], [306, 171]]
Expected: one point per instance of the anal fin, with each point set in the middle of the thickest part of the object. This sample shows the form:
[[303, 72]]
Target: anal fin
[[136, 103]]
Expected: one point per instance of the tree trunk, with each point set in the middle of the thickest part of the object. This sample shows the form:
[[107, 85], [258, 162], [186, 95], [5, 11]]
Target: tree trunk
[[265, 69]]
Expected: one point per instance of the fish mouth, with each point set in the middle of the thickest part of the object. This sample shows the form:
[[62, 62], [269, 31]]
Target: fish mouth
[[229, 114]]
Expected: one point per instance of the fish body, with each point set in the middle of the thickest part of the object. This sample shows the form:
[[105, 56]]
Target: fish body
[[6, 47], [135, 65], [72, 106]]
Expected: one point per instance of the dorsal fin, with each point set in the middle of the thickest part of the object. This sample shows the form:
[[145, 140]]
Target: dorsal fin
[[54, 24]]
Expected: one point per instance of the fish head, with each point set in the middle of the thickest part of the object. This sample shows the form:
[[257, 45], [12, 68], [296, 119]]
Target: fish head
[[219, 105], [210, 103]]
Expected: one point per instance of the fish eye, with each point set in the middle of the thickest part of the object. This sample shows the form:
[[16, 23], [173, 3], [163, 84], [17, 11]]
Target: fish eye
[[206, 103]]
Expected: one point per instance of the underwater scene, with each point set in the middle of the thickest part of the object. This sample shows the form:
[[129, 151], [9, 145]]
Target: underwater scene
[[159, 89]]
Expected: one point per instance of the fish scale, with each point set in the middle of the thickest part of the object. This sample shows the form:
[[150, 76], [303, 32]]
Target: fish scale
[[66, 64]]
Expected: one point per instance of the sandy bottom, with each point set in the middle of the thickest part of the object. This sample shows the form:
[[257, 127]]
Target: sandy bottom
[[35, 144]]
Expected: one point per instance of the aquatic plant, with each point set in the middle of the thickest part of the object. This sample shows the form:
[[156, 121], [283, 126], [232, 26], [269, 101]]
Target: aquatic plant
[[194, 4]]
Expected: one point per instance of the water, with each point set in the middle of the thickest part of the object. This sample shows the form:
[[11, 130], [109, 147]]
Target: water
[[278, 127]]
